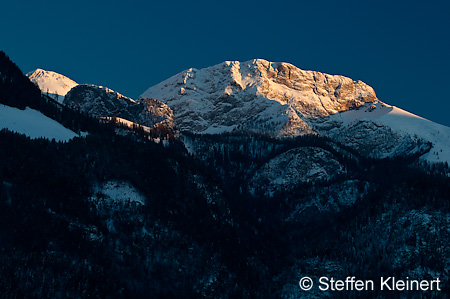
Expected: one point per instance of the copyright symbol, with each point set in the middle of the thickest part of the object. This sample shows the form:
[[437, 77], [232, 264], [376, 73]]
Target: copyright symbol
[[306, 283]]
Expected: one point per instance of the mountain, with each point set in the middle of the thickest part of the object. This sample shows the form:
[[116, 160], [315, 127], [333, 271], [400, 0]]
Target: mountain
[[282, 100], [257, 95], [100, 101], [53, 83]]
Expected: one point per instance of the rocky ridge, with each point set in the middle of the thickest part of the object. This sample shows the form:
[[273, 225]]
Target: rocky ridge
[[103, 102]]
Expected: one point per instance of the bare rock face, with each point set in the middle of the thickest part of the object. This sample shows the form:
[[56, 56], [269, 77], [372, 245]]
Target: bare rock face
[[158, 112], [313, 94], [257, 96], [103, 102]]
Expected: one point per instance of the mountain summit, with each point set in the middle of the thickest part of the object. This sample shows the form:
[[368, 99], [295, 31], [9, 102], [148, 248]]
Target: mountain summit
[[257, 95], [51, 82]]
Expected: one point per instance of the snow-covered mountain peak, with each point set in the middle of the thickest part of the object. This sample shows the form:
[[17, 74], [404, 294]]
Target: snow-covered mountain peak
[[257, 95], [51, 82]]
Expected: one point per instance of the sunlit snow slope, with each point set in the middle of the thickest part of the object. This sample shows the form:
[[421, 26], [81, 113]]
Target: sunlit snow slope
[[51, 82], [33, 124]]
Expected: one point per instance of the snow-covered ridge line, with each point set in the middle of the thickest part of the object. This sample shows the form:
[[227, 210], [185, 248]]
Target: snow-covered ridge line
[[263, 97], [402, 122], [109, 90]]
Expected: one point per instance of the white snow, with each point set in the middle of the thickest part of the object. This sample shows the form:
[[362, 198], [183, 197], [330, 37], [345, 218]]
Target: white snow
[[120, 192], [127, 123], [51, 82], [33, 123]]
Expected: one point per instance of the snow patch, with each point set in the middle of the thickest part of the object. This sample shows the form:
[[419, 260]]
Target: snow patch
[[127, 123], [33, 124], [119, 192]]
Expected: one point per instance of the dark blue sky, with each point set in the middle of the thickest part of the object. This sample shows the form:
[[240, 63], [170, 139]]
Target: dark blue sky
[[400, 48]]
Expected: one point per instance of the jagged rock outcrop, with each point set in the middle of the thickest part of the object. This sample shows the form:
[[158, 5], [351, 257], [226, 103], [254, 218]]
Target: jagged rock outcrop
[[103, 102]]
